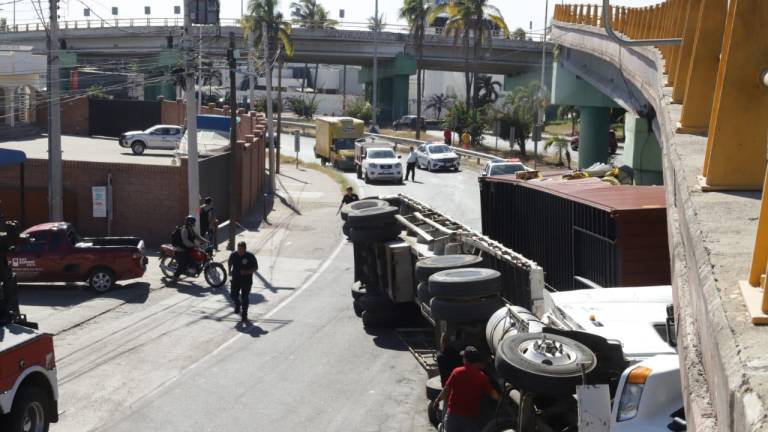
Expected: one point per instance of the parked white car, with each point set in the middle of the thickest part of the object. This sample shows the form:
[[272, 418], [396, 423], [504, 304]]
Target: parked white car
[[160, 137], [436, 156], [382, 164], [503, 167]]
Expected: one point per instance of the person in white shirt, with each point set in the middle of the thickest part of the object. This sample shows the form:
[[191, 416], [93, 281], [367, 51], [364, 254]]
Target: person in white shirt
[[410, 165]]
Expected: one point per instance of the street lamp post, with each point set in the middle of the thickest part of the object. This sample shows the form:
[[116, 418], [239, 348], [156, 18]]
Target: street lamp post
[[542, 87], [375, 64]]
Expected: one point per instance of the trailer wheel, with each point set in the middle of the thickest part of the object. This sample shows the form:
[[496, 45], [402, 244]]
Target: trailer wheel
[[502, 424], [433, 387], [464, 310], [345, 229], [544, 363], [358, 290], [101, 279], [362, 204], [373, 235], [30, 411], [377, 303], [465, 283], [371, 216], [435, 415], [357, 307], [376, 320], [429, 266], [526, 413]]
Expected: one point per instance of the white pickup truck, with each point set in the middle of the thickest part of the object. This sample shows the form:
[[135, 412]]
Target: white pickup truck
[[160, 137]]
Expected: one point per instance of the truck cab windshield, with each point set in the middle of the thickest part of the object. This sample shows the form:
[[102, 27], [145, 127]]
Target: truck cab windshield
[[344, 143]]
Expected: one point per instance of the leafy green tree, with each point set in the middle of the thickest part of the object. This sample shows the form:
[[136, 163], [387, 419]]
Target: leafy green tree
[[312, 15], [377, 22], [3, 25], [438, 102], [416, 13], [572, 112], [360, 109]]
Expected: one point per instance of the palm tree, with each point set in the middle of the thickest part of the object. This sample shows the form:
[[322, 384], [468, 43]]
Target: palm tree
[[477, 19], [211, 76], [458, 26], [375, 23], [519, 34], [312, 15], [437, 102], [489, 90], [280, 45], [560, 144], [416, 13]]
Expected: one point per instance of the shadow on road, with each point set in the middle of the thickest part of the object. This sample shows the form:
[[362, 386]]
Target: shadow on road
[[250, 329], [386, 339], [66, 295]]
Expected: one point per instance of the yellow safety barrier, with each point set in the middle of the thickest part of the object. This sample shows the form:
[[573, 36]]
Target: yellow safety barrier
[[718, 73]]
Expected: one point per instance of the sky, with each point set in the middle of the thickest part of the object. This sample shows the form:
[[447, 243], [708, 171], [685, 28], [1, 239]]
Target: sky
[[517, 13]]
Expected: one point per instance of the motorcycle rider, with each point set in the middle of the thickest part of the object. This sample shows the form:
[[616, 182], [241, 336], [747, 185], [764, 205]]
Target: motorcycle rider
[[190, 239]]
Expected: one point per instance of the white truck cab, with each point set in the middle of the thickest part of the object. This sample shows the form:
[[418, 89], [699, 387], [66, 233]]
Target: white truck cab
[[377, 161]]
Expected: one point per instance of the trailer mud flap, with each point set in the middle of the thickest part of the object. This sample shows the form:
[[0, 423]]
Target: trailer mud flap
[[594, 408]]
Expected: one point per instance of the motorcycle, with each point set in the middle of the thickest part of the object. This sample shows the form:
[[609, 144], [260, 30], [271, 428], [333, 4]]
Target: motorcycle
[[200, 261]]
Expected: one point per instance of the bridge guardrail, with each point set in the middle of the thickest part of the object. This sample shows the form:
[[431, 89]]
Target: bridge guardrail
[[470, 154]]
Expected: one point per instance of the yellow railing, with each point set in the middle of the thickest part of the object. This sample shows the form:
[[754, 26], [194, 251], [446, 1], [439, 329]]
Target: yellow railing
[[718, 75]]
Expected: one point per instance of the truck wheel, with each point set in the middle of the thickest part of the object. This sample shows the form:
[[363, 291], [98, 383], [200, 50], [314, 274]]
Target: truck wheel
[[526, 413], [435, 417], [373, 319], [433, 387], [215, 274], [101, 279], [168, 266], [377, 303], [357, 307], [429, 266], [465, 283], [362, 204], [345, 229], [138, 147], [372, 216], [544, 363], [464, 310], [358, 290], [374, 235], [503, 424], [30, 411]]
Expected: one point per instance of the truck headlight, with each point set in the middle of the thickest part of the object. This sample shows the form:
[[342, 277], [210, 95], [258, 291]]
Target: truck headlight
[[629, 404], [373, 165]]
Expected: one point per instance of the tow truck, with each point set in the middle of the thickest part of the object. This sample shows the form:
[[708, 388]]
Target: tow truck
[[28, 385]]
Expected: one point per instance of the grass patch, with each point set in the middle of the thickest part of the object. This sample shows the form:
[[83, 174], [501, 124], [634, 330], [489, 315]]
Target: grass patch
[[559, 127], [334, 174], [409, 135]]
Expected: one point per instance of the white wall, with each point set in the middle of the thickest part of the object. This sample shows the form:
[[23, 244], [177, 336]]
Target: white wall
[[329, 103], [448, 83]]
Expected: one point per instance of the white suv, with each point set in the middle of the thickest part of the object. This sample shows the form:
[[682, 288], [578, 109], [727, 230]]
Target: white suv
[[382, 164], [161, 137]]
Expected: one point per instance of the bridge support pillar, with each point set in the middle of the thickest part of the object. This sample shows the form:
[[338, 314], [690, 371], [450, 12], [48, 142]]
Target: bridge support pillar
[[642, 151], [593, 135]]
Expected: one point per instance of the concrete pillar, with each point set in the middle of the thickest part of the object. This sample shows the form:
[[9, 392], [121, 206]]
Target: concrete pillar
[[10, 106], [593, 135], [642, 151]]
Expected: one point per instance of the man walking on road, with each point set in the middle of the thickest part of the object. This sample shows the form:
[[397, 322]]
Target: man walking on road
[[464, 390], [410, 165], [242, 266]]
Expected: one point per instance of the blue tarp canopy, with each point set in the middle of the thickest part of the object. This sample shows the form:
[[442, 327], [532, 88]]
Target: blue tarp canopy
[[12, 157]]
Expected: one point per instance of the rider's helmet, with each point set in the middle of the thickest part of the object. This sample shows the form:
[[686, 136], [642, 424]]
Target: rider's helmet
[[190, 220]]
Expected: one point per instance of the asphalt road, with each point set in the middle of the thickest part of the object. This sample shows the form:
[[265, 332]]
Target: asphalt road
[[147, 356], [455, 194]]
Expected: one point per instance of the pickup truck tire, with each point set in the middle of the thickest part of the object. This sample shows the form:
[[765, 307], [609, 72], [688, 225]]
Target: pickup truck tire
[[465, 283], [371, 216], [138, 147], [433, 387], [373, 235], [518, 361], [362, 204], [168, 266], [30, 411], [464, 310], [429, 266], [215, 274], [367, 179], [422, 292], [101, 279]]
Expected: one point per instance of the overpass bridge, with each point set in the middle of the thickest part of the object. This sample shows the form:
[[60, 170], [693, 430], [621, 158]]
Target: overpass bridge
[[697, 106], [349, 44]]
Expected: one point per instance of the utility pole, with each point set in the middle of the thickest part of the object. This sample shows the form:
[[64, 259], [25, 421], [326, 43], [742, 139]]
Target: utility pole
[[542, 88], [251, 70], [193, 174], [232, 140], [376, 25], [200, 71], [270, 130], [55, 187]]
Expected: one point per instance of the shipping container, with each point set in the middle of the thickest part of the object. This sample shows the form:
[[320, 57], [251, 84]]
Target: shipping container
[[610, 235]]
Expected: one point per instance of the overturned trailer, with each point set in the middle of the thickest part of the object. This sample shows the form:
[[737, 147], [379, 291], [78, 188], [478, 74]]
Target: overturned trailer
[[413, 263]]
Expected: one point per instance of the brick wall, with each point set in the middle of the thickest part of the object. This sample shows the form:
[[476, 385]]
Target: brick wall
[[149, 200], [174, 112], [74, 116]]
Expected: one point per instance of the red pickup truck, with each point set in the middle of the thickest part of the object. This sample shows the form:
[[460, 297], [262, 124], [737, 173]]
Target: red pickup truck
[[53, 252]]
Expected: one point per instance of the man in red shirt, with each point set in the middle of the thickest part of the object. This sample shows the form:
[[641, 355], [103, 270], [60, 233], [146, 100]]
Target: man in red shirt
[[447, 136], [464, 390]]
